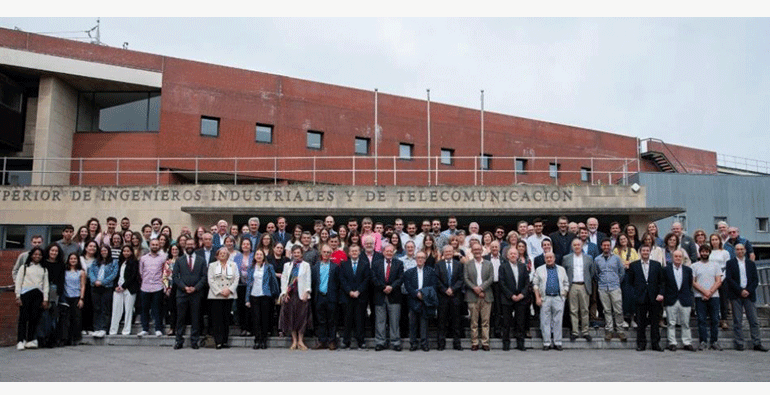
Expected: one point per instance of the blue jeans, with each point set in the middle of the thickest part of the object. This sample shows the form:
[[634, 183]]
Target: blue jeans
[[708, 308], [151, 300]]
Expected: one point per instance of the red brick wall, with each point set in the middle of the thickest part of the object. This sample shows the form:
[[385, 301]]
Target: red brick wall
[[9, 312]]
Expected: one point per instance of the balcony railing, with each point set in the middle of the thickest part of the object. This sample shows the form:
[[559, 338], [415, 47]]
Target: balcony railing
[[353, 170], [746, 164]]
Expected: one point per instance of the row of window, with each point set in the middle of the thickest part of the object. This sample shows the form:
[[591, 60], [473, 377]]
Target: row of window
[[362, 146], [763, 223]]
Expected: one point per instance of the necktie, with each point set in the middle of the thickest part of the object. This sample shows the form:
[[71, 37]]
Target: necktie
[[189, 262], [448, 271], [355, 265], [387, 272]]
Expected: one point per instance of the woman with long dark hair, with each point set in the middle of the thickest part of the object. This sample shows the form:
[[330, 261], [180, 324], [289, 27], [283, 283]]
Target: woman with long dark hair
[[296, 235], [126, 289], [94, 229], [261, 290], [198, 236], [243, 261], [88, 258], [31, 297], [81, 237], [74, 292], [53, 262], [277, 259], [102, 276], [168, 311]]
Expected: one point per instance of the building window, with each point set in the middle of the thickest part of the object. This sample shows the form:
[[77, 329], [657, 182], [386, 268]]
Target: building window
[[762, 225], [11, 95], [553, 170], [362, 146], [405, 151], [209, 126], [118, 112], [585, 174], [264, 133], [486, 161], [14, 237], [521, 166], [315, 140], [447, 156], [717, 220]]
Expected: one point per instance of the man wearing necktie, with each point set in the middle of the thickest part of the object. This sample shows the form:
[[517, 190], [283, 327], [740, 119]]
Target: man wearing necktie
[[189, 282], [354, 282], [646, 277], [280, 235], [387, 278], [450, 284]]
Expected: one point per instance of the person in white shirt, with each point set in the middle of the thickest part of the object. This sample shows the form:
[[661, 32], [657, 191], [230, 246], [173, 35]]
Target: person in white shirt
[[535, 242], [707, 278]]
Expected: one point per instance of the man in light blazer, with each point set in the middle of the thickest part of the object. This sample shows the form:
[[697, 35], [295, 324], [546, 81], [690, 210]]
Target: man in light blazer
[[355, 275], [190, 274], [581, 270], [450, 292], [550, 286], [514, 287], [479, 274]]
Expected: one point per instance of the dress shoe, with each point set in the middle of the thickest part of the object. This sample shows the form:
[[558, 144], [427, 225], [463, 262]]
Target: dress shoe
[[572, 337], [332, 346], [689, 347], [588, 337], [345, 346], [426, 348], [475, 348], [716, 346], [506, 346], [485, 348], [623, 337], [640, 348], [440, 348], [458, 347], [759, 347], [723, 325], [520, 345], [225, 345], [320, 346], [362, 346], [264, 344], [413, 348], [657, 348], [558, 348], [378, 348], [607, 336], [546, 348], [218, 346], [195, 346], [256, 346], [177, 346], [396, 348], [739, 347], [671, 347]]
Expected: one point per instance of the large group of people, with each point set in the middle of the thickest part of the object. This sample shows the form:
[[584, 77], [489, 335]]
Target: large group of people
[[337, 281]]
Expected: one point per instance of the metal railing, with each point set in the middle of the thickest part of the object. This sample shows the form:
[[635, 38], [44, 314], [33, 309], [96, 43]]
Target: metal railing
[[354, 170], [741, 163], [644, 147]]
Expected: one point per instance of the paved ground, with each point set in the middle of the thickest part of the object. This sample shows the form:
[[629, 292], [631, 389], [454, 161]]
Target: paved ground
[[120, 363]]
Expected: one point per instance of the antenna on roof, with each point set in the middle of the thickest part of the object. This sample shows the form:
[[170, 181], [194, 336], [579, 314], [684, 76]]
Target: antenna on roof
[[95, 40]]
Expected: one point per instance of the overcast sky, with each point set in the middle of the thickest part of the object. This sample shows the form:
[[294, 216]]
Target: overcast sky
[[702, 83]]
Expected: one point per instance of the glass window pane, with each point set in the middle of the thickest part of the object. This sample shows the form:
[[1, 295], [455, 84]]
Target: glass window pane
[[405, 151], [521, 165], [362, 146], [153, 123], [553, 170], [314, 140], [15, 237], [210, 126], [446, 156], [264, 133], [486, 161], [122, 112], [585, 174]]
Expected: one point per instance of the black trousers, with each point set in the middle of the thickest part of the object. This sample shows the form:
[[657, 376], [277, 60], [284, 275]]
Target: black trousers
[[261, 316], [495, 316], [355, 314], [29, 314], [189, 303], [520, 310], [220, 319], [71, 322], [88, 308], [326, 312], [168, 311], [102, 298], [449, 312], [648, 313], [244, 313]]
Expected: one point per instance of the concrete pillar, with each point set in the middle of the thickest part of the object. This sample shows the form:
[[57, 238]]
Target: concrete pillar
[[54, 129]]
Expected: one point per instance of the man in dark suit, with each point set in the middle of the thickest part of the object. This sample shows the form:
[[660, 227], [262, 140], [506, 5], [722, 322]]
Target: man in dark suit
[[325, 280], [678, 300], [514, 284], [420, 283], [355, 275], [450, 287], [742, 280], [387, 277], [646, 276], [281, 235], [372, 258], [685, 242], [190, 276], [562, 238], [547, 246], [594, 236]]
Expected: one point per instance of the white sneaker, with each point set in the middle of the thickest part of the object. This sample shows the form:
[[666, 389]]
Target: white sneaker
[[142, 333], [84, 333], [126, 333], [158, 333], [32, 344], [99, 334], [20, 346]]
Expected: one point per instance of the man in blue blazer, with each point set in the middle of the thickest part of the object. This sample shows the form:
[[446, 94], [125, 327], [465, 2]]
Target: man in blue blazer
[[387, 277], [646, 276], [355, 275], [742, 280], [190, 277], [420, 283], [325, 281], [679, 299], [281, 235], [450, 297]]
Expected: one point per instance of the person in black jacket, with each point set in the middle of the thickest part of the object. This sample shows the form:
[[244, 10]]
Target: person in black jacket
[[514, 284], [190, 275], [126, 289], [325, 281], [646, 276], [355, 275], [450, 297], [742, 280], [679, 300]]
